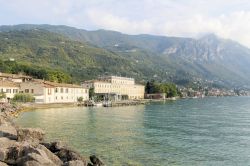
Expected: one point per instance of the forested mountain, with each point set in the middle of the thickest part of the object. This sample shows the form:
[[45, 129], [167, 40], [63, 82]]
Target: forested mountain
[[86, 54], [81, 60]]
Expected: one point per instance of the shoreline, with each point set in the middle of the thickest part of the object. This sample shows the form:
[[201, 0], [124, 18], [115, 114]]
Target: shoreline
[[27, 146], [25, 107]]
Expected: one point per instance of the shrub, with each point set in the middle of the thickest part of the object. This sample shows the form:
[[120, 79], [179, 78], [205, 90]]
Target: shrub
[[23, 97], [2, 95], [80, 99]]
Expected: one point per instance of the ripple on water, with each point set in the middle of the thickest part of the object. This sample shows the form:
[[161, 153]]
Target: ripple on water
[[210, 131]]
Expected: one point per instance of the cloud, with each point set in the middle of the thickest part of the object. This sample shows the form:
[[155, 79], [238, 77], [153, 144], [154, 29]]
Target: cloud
[[225, 18], [234, 25], [123, 24]]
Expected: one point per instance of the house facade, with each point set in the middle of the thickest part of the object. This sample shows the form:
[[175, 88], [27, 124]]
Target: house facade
[[116, 88], [9, 89], [50, 92]]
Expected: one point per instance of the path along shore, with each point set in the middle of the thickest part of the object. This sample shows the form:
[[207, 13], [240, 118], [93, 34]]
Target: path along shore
[[27, 147]]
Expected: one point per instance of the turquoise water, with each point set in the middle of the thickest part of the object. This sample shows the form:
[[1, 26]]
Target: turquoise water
[[209, 131]]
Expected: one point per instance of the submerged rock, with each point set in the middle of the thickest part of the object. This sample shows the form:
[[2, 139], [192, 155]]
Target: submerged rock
[[75, 163], [54, 146], [96, 161], [68, 155]]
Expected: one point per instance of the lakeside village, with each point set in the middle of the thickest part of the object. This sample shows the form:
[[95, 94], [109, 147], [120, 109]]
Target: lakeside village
[[104, 91]]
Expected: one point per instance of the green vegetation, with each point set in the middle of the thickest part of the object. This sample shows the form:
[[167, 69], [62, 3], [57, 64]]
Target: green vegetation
[[80, 99], [91, 93], [23, 97], [34, 71], [169, 89], [49, 55], [43, 54], [2, 95]]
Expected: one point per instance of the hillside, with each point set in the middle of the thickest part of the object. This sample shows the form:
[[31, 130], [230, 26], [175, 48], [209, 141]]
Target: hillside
[[81, 60], [209, 59]]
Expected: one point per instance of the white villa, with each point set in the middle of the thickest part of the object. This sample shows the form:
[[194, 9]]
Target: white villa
[[116, 88], [51, 92]]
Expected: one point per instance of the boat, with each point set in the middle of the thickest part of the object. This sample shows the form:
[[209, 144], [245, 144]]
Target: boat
[[107, 104], [98, 104]]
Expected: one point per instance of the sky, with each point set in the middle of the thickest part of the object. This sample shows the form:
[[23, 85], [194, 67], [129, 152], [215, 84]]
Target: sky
[[183, 18]]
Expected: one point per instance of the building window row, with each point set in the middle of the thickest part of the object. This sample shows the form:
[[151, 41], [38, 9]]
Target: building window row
[[66, 90], [68, 98], [9, 90]]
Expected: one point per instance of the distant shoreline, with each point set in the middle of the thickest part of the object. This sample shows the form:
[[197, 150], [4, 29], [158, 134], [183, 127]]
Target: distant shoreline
[[24, 107]]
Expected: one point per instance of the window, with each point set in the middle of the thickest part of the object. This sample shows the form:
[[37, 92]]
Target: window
[[15, 90], [66, 90], [49, 91], [56, 97], [26, 90], [56, 90], [61, 97], [61, 90], [32, 90], [8, 90]]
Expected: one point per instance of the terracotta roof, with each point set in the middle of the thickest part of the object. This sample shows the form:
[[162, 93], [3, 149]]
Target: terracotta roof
[[8, 84], [55, 84], [94, 81]]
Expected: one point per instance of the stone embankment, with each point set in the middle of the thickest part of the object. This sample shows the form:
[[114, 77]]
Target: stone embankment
[[26, 146]]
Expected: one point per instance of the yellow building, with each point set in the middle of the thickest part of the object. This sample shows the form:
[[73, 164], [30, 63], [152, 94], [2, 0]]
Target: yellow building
[[116, 88]]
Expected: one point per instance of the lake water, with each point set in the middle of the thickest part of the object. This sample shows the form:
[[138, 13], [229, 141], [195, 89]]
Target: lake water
[[209, 131]]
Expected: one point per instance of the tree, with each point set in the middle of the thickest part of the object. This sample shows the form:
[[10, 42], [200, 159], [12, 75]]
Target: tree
[[80, 99], [147, 87], [169, 89], [91, 93], [151, 87]]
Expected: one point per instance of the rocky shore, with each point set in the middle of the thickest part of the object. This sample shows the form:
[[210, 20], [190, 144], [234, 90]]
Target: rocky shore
[[27, 147]]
